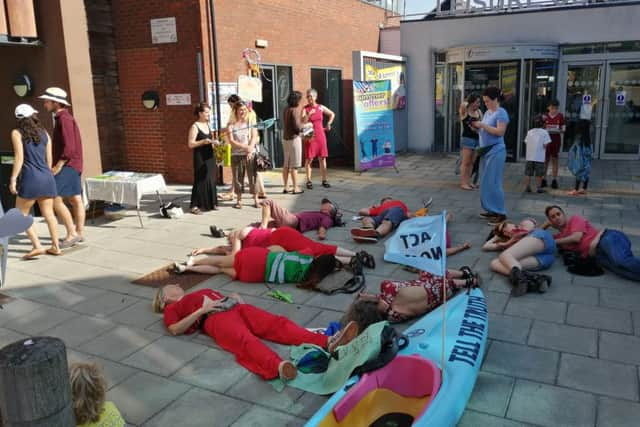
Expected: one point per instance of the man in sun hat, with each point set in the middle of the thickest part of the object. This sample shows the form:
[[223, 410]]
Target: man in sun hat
[[67, 164]]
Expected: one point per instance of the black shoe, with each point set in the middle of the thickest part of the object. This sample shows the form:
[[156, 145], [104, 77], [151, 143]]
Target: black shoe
[[216, 232], [554, 184], [527, 189], [544, 183], [540, 191], [487, 214], [309, 185], [519, 282]]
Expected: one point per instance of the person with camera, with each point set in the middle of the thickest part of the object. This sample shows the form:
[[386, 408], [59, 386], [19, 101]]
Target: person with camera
[[469, 112], [200, 140]]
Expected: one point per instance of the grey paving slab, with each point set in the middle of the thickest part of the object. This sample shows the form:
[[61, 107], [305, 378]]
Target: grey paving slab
[[253, 389], [564, 338], [598, 376], [64, 295], [491, 394], [509, 328], [142, 395], [551, 406], [214, 370], [617, 413], [106, 304], [39, 320], [119, 342], [521, 362], [496, 301], [262, 417], [622, 299], [200, 408], [472, 418], [8, 336], [17, 308], [619, 347], [534, 307], [164, 356], [599, 318], [137, 314], [80, 329], [571, 293]]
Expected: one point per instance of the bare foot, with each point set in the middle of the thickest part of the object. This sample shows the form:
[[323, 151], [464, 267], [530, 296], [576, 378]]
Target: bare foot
[[573, 193], [287, 370], [34, 253], [54, 251]]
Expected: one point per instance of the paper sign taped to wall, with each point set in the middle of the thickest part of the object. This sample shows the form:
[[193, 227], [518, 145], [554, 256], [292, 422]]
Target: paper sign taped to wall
[[250, 88]]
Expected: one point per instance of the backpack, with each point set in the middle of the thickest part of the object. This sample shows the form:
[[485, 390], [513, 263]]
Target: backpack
[[390, 343], [581, 266]]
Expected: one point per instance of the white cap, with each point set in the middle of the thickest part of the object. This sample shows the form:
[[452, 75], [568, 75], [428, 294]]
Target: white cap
[[24, 110], [55, 94]]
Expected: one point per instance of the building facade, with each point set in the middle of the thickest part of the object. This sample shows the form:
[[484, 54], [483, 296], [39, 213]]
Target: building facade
[[104, 53], [584, 54]]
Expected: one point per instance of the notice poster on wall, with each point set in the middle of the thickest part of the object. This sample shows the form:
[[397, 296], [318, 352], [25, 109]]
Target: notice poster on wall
[[373, 113], [250, 88], [396, 75], [226, 90]]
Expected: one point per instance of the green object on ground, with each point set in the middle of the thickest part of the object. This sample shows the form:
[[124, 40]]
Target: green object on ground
[[282, 296]]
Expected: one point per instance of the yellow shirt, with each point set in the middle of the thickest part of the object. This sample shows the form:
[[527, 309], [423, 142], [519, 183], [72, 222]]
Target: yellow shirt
[[109, 417]]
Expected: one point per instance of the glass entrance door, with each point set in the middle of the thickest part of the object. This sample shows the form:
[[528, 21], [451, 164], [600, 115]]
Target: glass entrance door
[[582, 104], [621, 124]]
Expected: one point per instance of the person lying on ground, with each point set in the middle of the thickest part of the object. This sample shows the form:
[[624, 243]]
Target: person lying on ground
[[274, 216], [611, 248], [380, 220], [286, 237], [271, 265], [452, 250], [506, 234], [239, 327], [399, 301]]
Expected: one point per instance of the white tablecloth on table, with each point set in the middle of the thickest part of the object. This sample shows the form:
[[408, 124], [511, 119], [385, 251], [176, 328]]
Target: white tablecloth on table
[[124, 187]]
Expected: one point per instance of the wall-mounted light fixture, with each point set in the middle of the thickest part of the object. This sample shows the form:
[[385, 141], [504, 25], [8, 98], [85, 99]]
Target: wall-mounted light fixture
[[22, 85], [151, 100]]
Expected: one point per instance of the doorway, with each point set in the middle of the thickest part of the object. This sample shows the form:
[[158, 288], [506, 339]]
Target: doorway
[[602, 106], [276, 85], [328, 83]]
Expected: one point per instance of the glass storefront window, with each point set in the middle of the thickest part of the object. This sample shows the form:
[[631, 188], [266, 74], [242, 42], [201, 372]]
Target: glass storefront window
[[540, 90], [455, 86], [582, 104], [623, 118]]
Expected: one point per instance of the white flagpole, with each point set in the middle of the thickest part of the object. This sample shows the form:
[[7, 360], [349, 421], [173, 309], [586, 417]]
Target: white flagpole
[[444, 290]]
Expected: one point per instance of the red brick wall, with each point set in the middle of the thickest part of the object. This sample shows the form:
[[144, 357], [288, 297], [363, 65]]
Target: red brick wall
[[301, 33]]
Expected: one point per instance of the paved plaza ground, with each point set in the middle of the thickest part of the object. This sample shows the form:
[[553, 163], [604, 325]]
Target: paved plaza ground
[[569, 357]]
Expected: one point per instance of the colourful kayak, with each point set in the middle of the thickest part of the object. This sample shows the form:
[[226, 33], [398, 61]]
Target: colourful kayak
[[413, 390]]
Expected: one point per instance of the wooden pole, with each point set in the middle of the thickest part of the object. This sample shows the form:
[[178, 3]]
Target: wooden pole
[[34, 384]]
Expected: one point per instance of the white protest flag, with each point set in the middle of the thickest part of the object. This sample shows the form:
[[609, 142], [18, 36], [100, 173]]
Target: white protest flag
[[420, 242]]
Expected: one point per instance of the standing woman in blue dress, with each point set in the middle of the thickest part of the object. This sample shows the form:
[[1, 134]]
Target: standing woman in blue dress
[[494, 153], [31, 177]]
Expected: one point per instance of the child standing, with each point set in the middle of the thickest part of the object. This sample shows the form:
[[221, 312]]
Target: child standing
[[555, 125], [537, 141], [579, 159]]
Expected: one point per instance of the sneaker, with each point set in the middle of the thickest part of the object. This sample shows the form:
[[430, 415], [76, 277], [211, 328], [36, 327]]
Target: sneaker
[[554, 184], [497, 220], [179, 268], [365, 239], [527, 189], [364, 232], [540, 190], [544, 183]]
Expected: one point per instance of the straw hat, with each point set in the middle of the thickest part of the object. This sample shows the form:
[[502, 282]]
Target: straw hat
[[55, 94]]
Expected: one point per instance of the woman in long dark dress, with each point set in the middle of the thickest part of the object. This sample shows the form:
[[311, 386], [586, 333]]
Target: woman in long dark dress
[[203, 193]]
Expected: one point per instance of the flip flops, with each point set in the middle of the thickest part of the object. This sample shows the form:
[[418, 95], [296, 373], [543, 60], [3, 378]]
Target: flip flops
[[366, 259], [65, 244], [217, 232]]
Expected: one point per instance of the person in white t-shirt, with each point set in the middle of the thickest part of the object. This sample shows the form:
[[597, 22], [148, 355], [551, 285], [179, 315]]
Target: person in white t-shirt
[[536, 140]]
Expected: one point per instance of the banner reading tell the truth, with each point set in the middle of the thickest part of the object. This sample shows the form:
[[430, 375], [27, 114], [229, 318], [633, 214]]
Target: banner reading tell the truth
[[375, 146]]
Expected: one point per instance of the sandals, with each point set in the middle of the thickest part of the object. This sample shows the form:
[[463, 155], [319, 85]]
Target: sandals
[[309, 185], [237, 206], [196, 211], [466, 272], [366, 259], [472, 283], [326, 184], [467, 187], [217, 232]]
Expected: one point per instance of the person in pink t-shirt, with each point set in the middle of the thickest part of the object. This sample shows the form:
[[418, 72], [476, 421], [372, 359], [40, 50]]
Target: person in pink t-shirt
[[611, 248], [274, 216]]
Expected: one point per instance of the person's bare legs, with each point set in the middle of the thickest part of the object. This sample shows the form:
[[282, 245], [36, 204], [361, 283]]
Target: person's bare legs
[[342, 252], [307, 167], [265, 215], [46, 208], [385, 228], [285, 178], [554, 167], [466, 165], [79, 213], [512, 256], [223, 261], [211, 269], [65, 216], [294, 179], [25, 205], [323, 168], [368, 222], [259, 186]]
